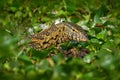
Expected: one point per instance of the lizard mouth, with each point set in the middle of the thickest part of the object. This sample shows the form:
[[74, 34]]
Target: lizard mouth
[[81, 38], [78, 37]]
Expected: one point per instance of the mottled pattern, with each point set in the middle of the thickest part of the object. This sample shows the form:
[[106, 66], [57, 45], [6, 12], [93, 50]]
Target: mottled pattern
[[56, 34]]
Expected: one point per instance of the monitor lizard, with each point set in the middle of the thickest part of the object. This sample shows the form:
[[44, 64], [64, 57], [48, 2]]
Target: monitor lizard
[[56, 34]]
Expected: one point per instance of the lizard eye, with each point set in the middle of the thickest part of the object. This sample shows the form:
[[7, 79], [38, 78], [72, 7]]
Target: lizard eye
[[73, 30]]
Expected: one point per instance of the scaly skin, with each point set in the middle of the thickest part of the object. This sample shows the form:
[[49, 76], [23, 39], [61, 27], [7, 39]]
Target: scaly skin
[[57, 34]]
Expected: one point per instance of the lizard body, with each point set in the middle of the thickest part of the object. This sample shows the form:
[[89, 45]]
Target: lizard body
[[56, 34]]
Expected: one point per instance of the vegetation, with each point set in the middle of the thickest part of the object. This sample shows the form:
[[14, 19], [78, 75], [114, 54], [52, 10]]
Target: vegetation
[[20, 18]]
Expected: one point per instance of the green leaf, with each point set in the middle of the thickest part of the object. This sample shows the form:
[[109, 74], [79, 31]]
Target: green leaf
[[102, 35], [97, 18], [94, 40], [25, 59]]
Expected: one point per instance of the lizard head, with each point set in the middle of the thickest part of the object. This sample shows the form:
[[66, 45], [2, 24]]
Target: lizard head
[[76, 32]]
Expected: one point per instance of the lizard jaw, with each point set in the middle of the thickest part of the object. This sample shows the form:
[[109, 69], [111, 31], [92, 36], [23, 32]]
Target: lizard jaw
[[78, 37]]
